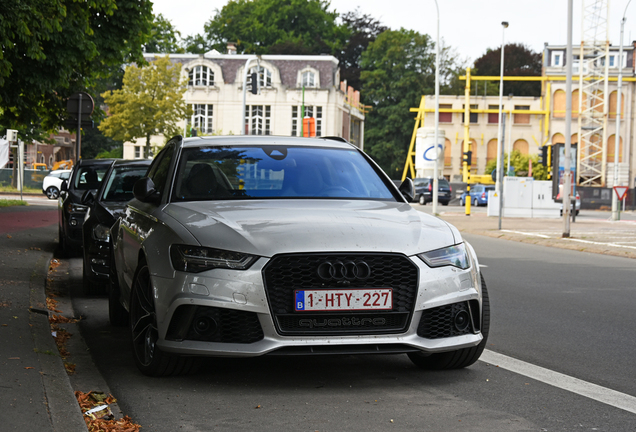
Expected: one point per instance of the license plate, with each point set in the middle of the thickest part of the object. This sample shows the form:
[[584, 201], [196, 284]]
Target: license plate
[[349, 300]]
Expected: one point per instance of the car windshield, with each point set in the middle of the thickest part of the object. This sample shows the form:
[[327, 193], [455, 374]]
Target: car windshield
[[119, 186], [209, 173], [90, 177]]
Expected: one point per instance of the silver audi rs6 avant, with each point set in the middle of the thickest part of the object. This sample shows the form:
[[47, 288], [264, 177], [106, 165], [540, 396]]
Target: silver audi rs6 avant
[[248, 245]]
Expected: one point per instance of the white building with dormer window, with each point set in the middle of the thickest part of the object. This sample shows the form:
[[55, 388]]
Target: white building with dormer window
[[287, 84]]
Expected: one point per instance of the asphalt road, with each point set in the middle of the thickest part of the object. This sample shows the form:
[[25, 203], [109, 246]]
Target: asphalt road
[[569, 312]]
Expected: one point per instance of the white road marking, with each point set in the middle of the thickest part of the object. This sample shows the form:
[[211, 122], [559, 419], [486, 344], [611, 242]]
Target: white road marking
[[601, 394], [526, 233], [600, 243]]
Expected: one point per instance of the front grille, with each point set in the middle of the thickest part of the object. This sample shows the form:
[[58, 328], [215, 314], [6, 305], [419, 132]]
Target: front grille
[[286, 273], [439, 322], [224, 325]]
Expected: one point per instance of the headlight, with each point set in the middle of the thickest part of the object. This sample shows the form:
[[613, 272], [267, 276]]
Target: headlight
[[195, 259], [452, 255], [101, 232]]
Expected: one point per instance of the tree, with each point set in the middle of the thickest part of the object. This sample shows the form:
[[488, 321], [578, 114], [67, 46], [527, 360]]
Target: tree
[[363, 29], [276, 27], [196, 44], [520, 164], [54, 48], [95, 142], [519, 60], [149, 103], [164, 38], [397, 69]]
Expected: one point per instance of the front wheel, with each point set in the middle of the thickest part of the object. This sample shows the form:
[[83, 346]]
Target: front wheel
[[462, 203], [422, 201], [460, 358], [149, 358]]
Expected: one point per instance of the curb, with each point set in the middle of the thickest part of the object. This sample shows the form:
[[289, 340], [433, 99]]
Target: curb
[[63, 409]]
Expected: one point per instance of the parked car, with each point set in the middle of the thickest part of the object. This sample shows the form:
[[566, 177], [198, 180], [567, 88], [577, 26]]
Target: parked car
[[86, 175], [250, 245], [478, 195], [424, 190], [104, 207], [577, 205], [53, 182]]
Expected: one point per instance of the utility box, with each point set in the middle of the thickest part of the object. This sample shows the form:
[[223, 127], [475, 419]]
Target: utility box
[[543, 204], [524, 197]]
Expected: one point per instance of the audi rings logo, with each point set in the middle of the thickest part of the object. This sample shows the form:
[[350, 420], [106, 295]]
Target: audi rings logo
[[344, 270]]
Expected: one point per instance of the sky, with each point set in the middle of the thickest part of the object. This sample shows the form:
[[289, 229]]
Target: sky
[[468, 26]]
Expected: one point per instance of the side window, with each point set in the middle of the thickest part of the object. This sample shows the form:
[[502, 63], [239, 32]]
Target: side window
[[159, 170]]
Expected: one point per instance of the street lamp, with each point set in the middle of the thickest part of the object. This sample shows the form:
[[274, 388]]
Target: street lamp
[[436, 169], [498, 188], [617, 140]]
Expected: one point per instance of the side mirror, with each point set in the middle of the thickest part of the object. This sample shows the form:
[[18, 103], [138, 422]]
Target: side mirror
[[407, 189], [144, 190], [88, 198], [64, 186]]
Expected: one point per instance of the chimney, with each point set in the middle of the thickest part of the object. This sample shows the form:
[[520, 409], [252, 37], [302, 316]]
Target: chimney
[[231, 48]]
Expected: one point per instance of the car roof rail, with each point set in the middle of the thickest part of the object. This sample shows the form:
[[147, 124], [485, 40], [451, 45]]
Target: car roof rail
[[336, 138]]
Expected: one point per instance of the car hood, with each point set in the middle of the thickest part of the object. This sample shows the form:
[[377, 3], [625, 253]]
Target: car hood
[[269, 227]]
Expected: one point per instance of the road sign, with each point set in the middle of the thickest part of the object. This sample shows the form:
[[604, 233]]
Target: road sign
[[621, 191], [73, 104]]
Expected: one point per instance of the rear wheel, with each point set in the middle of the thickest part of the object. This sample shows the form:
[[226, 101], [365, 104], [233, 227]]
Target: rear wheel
[[149, 358], [52, 192], [421, 200], [463, 357]]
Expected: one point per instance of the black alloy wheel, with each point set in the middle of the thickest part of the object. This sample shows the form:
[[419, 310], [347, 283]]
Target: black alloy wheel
[[149, 358], [460, 358]]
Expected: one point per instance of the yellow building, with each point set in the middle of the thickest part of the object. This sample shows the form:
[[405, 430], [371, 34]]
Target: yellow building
[[531, 122]]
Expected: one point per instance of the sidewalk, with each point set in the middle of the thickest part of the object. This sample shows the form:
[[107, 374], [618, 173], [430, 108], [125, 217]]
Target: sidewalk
[[594, 235], [36, 394]]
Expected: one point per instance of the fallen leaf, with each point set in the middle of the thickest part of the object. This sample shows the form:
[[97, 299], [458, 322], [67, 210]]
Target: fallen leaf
[[28, 367], [8, 236], [14, 358], [257, 407]]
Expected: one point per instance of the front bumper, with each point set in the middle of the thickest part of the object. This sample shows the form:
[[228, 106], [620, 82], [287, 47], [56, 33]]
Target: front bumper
[[238, 305], [98, 260]]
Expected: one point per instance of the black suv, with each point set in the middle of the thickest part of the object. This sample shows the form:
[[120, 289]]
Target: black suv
[[105, 207], [87, 175], [424, 190]]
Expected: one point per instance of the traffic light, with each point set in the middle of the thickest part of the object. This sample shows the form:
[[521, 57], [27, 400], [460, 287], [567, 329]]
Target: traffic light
[[254, 83], [543, 155], [468, 156]]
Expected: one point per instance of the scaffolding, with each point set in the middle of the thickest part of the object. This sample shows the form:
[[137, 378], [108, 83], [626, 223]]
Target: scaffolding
[[593, 65]]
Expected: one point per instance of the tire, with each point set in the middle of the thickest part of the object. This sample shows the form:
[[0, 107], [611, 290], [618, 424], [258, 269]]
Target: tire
[[460, 358], [422, 200], [149, 358], [462, 203], [117, 314], [52, 192], [476, 202]]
